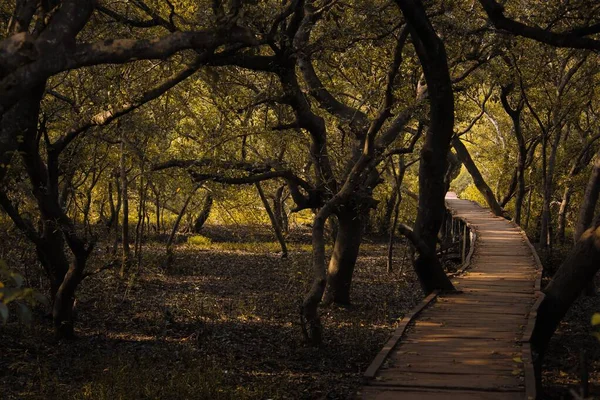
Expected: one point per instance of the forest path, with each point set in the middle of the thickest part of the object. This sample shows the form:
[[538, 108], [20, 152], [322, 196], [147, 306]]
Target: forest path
[[467, 345]]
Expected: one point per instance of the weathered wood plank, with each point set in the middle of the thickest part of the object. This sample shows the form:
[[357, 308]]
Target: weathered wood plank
[[389, 393], [468, 345]]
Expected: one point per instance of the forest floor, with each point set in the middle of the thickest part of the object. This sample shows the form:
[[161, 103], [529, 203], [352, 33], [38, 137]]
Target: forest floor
[[221, 323], [563, 363], [562, 370]]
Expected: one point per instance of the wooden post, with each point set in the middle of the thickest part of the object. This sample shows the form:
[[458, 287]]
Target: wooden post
[[464, 243]]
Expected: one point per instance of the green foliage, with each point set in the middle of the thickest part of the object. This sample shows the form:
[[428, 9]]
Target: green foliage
[[12, 291], [199, 240], [471, 193]]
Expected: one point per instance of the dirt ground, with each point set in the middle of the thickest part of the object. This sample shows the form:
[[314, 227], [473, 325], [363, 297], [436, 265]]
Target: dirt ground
[[221, 323]]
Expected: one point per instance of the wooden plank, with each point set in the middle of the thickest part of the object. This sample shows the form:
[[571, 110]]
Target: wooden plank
[[464, 332], [463, 324], [517, 309], [471, 339], [457, 368], [482, 382], [395, 393], [391, 343]]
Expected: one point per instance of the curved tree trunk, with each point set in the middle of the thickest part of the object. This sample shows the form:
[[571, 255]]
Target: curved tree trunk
[[311, 323], [176, 225], [343, 259], [518, 181], [433, 167], [273, 219], [204, 213], [576, 271], [62, 308], [50, 252], [482, 186]]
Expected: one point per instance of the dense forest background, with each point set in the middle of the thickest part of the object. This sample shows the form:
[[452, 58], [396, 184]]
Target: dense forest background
[[239, 199]]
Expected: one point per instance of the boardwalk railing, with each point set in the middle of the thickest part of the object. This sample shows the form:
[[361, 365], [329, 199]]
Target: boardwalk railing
[[456, 232]]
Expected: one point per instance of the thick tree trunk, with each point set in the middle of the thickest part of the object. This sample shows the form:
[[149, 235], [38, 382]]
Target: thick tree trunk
[[273, 219], [311, 322], [433, 167], [204, 213], [62, 309], [343, 259], [576, 271], [518, 181], [51, 254], [482, 186]]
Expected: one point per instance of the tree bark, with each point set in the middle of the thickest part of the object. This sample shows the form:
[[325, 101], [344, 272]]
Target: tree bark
[[62, 308], [126, 251], [390, 206], [575, 272], [433, 167], [545, 239], [590, 199], [176, 225], [518, 182], [343, 259], [482, 186], [279, 210], [311, 322], [273, 219], [204, 213], [562, 212]]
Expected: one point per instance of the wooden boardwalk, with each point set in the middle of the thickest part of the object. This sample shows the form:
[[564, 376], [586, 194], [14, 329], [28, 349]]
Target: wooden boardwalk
[[468, 345]]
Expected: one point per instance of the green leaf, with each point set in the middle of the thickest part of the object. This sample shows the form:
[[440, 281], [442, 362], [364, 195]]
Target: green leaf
[[10, 294], [3, 312]]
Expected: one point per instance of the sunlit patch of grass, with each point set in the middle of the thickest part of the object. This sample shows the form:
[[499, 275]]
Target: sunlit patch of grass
[[199, 240]]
